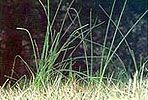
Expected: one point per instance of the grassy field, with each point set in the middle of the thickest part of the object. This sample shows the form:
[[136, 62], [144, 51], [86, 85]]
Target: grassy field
[[49, 83]]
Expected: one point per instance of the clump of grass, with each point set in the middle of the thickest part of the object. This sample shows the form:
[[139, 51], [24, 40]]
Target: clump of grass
[[48, 81], [45, 64]]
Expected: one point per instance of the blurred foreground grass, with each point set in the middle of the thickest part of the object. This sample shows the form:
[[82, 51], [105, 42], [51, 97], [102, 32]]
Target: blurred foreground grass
[[72, 90]]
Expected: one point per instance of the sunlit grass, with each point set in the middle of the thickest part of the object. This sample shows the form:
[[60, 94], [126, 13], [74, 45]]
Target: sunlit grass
[[73, 90]]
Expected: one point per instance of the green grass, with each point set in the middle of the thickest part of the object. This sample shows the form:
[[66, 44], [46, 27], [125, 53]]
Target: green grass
[[50, 83]]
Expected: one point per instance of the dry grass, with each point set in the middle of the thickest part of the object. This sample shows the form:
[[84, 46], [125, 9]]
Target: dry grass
[[133, 90]]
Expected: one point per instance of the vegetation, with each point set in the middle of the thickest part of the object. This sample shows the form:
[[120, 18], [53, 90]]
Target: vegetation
[[50, 80], [72, 90]]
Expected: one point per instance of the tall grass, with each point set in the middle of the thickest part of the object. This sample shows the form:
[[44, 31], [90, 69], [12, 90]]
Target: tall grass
[[51, 50], [48, 81]]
